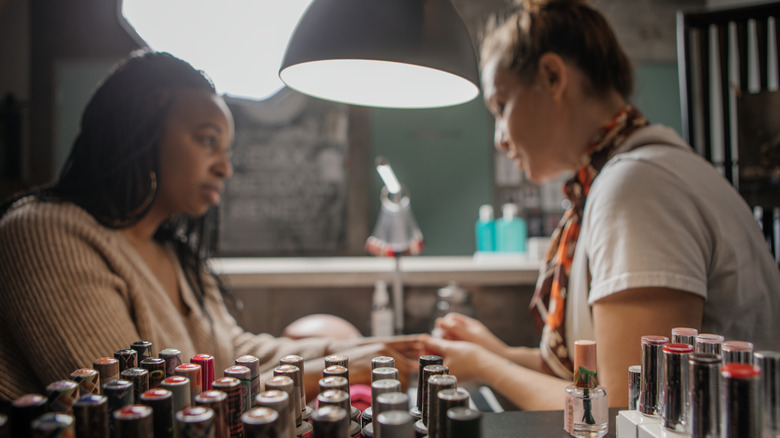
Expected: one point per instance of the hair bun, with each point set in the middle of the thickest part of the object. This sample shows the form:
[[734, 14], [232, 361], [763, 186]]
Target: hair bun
[[537, 5]]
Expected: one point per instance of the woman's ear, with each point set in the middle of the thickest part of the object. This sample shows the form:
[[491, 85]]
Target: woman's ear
[[553, 74]]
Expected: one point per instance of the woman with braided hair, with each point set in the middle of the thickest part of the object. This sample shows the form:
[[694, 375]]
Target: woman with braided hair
[[654, 237], [115, 251]]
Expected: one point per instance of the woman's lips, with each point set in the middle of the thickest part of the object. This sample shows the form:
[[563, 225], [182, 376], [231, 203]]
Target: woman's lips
[[213, 194]]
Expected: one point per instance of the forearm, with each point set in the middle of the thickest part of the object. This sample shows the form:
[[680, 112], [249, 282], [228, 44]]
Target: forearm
[[526, 357], [270, 349], [528, 389]]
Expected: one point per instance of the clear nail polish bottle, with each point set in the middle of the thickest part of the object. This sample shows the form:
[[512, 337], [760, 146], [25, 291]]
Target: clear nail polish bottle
[[586, 413]]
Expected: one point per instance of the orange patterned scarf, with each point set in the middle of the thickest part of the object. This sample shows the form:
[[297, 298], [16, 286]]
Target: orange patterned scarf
[[548, 305]]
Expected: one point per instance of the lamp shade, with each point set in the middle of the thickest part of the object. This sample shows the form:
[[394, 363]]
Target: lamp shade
[[383, 53]]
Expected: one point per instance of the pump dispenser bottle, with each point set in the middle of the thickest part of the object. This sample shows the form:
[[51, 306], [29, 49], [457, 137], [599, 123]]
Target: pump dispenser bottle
[[485, 229], [511, 230]]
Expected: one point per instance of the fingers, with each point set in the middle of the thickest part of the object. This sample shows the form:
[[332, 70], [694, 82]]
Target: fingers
[[451, 318], [454, 329], [433, 345], [458, 316], [405, 343], [446, 324]]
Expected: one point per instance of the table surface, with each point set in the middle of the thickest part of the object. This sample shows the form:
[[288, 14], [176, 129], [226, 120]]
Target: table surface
[[519, 424]]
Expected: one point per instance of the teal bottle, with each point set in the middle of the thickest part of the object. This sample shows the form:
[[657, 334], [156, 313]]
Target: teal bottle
[[511, 230], [485, 229]]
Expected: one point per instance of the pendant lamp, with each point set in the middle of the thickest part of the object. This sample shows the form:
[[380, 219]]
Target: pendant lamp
[[382, 53]]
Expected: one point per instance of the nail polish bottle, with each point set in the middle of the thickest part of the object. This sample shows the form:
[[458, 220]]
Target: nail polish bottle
[[741, 400], [586, 410]]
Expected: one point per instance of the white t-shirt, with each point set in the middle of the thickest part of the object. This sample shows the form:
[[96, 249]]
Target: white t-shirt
[[660, 215]]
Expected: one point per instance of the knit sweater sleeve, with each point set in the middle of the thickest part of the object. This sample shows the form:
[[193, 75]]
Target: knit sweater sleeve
[[268, 348], [58, 294]]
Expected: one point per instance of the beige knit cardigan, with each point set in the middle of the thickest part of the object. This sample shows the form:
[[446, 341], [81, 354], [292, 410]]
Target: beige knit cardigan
[[72, 291]]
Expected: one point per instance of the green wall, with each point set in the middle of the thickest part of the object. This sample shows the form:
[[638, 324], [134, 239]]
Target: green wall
[[657, 93], [445, 157]]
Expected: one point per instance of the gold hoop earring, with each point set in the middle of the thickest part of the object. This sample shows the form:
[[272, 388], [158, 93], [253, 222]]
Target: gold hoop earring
[[153, 177], [152, 193]]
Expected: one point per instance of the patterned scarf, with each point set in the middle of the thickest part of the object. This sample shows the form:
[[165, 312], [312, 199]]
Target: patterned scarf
[[548, 305]]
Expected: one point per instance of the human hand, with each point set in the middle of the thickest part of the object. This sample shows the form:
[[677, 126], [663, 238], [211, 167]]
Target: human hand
[[466, 360], [408, 345], [405, 350], [459, 327]]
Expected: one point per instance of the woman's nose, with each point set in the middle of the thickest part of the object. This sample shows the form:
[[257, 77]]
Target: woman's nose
[[224, 168], [499, 139]]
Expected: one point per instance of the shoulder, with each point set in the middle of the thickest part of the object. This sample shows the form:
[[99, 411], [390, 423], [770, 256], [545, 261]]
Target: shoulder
[[653, 149], [31, 208], [48, 246], [664, 199], [30, 217], [655, 161], [654, 135]]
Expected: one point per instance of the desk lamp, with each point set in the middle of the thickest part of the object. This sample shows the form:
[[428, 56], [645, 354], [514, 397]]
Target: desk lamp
[[396, 233]]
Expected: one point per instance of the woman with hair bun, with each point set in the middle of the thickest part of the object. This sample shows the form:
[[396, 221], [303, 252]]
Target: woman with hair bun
[[654, 238]]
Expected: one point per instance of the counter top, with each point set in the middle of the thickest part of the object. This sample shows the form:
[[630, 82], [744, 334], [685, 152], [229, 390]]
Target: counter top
[[519, 424], [492, 269]]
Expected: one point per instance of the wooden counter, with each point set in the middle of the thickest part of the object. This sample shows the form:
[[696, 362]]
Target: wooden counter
[[364, 271], [277, 291]]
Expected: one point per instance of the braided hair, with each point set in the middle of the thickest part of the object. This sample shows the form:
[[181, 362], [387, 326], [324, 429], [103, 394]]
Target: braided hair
[[113, 166]]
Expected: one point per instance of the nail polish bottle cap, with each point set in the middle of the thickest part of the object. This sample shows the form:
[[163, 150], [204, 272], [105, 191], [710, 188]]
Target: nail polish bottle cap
[[685, 331], [585, 355], [737, 346]]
